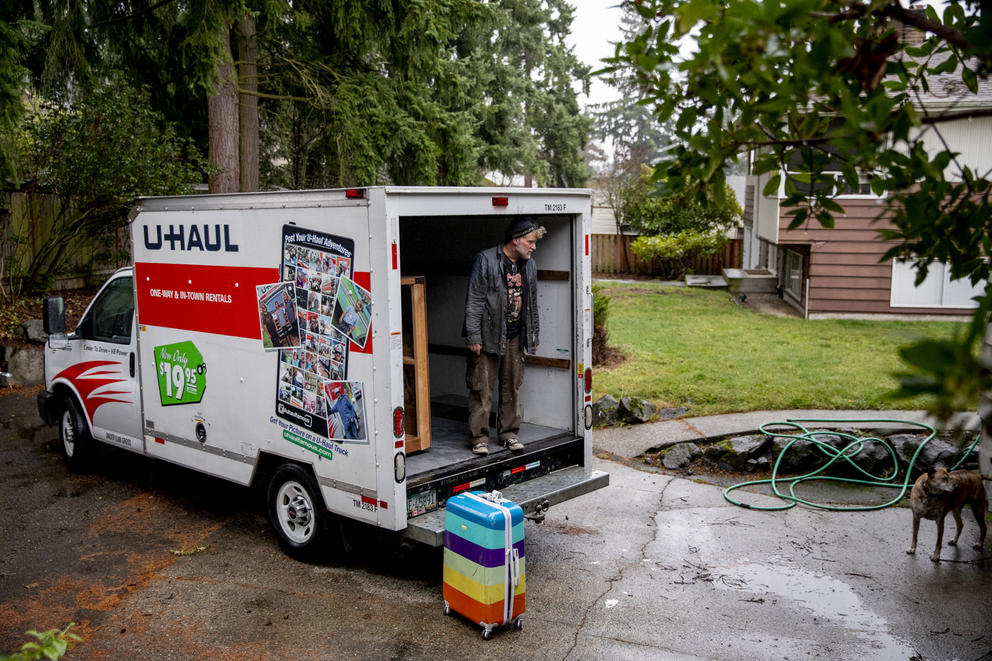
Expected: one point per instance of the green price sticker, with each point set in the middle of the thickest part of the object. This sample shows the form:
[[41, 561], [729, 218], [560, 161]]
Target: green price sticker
[[182, 374]]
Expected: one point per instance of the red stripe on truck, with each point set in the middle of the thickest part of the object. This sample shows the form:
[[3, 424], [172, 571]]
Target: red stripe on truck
[[205, 299]]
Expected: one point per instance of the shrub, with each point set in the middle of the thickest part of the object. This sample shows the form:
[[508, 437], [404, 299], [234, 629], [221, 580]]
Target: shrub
[[677, 249]]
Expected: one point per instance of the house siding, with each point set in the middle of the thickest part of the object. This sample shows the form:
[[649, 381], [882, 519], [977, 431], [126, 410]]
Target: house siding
[[844, 271]]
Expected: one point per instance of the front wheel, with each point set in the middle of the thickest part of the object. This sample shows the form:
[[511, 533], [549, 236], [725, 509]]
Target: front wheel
[[297, 513], [75, 441]]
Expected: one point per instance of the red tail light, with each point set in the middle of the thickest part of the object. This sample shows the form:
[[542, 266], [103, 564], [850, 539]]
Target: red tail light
[[588, 379], [398, 421], [355, 193], [501, 201]]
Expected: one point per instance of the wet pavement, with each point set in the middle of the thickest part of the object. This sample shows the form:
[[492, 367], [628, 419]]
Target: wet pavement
[[653, 567]]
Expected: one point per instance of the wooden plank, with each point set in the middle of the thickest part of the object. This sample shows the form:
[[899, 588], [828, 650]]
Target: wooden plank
[[853, 283], [417, 426], [827, 293], [862, 247], [859, 235], [850, 259], [818, 269]]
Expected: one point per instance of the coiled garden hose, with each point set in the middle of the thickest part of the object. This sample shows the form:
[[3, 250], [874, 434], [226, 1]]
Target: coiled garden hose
[[855, 445]]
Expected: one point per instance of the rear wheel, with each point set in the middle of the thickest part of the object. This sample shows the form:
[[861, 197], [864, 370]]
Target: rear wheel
[[76, 443], [297, 513]]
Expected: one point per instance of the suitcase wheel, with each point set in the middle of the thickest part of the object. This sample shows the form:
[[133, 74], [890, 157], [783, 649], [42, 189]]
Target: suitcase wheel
[[487, 634], [447, 609], [518, 624]]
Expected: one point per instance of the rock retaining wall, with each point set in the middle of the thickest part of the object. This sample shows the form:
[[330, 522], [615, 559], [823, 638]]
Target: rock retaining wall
[[758, 452]]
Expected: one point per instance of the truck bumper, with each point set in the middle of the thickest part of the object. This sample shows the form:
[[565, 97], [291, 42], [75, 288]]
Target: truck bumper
[[534, 497], [48, 407]]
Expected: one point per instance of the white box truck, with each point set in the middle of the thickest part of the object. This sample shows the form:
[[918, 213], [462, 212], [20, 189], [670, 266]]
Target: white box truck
[[298, 340]]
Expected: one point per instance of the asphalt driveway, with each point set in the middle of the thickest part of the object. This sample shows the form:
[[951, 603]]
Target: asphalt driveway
[[157, 562]]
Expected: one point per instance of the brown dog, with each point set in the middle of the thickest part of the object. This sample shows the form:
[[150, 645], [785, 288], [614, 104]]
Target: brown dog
[[936, 494]]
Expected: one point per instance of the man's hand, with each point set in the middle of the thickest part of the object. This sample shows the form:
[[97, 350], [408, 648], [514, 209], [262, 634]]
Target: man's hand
[[475, 348]]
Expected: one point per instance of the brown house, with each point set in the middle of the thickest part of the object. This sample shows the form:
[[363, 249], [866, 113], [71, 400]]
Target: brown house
[[836, 272]]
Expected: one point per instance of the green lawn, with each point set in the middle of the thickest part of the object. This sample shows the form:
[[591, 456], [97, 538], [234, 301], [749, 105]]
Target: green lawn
[[697, 348]]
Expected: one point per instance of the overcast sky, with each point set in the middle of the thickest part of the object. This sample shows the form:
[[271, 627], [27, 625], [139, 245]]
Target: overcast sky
[[596, 24]]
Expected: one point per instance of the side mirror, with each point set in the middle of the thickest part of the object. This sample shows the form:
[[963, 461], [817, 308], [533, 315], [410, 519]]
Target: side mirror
[[53, 315]]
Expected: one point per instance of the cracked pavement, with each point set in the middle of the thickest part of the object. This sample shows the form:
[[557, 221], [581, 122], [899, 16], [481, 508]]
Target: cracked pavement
[[163, 563]]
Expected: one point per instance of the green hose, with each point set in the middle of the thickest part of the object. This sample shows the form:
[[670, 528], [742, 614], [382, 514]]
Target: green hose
[[851, 450]]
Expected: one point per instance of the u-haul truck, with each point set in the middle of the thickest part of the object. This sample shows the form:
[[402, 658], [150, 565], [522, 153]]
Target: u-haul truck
[[298, 340]]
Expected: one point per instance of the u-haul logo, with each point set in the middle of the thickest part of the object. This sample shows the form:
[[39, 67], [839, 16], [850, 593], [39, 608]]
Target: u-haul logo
[[209, 238]]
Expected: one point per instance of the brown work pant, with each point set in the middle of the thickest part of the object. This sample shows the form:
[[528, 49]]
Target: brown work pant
[[481, 375]]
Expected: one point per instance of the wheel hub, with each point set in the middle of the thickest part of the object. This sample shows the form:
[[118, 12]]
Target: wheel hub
[[298, 511]]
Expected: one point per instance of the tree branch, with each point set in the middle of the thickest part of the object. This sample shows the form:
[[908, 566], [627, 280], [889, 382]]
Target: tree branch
[[919, 20], [897, 12], [128, 17]]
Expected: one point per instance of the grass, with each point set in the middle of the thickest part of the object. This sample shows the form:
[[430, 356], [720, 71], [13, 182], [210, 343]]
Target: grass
[[697, 348]]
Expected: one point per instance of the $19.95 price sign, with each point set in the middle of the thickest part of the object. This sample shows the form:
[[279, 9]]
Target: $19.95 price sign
[[182, 374]]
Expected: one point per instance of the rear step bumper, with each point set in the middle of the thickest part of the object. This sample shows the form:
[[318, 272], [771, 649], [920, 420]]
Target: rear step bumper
[[534, 496]]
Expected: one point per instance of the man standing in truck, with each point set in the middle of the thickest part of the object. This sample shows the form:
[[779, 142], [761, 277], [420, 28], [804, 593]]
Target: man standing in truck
[[501, 325]]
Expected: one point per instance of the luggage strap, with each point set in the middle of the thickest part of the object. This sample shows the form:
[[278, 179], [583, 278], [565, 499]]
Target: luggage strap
[[511, 556]]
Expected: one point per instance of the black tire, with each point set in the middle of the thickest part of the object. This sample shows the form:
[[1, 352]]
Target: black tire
[[77, 445], [297, 513]]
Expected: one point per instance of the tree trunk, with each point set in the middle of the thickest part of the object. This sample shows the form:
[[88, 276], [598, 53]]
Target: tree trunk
[[222, 122], [248, 106]]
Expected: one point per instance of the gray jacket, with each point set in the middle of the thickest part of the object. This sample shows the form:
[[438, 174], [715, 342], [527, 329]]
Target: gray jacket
[[485, 304]]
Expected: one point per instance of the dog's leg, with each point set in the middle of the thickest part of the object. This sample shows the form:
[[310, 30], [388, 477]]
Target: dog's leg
[[940, 539], [959, 523], [916, 529], [978, 509]]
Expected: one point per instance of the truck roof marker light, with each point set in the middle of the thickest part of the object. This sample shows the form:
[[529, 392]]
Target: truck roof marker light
[[501, 201], [355, 193]]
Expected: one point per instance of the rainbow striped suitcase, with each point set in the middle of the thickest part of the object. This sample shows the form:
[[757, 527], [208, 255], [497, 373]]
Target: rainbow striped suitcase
[[484, 559]]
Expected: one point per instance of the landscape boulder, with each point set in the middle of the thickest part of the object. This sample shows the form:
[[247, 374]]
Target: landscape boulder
[[669, 413], [604, 411], [734, 453], [634, 410], [25, 365], [679, 455], [905, 446], [875, 459], [800, 457], [34, 331]]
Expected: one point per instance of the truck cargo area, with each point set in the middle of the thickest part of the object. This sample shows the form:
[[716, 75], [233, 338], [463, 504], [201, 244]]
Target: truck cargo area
[[437, 255]]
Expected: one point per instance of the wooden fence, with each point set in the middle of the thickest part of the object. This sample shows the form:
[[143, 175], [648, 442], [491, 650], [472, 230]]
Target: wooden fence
[[26, 222], [611, 253]]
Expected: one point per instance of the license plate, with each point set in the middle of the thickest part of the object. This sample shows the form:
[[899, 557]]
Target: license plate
[[421, 503]]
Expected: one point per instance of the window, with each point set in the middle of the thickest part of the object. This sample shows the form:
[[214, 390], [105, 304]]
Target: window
[[937, 291], [109, 318], [794, 274]]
